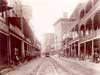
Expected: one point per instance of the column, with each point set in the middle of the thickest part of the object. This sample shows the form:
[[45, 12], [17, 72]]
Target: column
[[74, 50], [79, 50], [84, 49], [79, 41], [92, 48], [70, 50], [9, 50], [93, 32], [22, 48]]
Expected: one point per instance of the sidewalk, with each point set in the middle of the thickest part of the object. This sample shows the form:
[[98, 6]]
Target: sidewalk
[[77, 67], [20, 69], [5, 69], [85, 63]]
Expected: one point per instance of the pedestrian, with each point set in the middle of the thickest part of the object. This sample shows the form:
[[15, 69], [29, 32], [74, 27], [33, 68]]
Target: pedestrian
[[95, 57], [16, 57]]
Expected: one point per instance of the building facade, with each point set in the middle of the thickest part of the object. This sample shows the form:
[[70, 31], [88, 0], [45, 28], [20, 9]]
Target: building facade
[[15, 33], [84, 40], [49, 42], [61, 29]]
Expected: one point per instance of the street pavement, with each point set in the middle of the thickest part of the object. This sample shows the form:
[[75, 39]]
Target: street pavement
[[55, 66], [27, 69], [79, 67]]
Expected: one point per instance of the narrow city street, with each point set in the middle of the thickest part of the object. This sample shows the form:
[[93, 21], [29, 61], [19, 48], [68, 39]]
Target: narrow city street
[[49, 37], [54, 66]]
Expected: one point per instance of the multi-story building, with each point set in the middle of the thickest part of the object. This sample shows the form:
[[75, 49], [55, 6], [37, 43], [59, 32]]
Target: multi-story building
[[85, 32], [15, 33], [74, 19], [61, 29], [49, 42]]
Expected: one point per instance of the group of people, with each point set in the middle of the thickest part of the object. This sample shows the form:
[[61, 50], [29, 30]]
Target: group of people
[[17, 59], [96, 57]]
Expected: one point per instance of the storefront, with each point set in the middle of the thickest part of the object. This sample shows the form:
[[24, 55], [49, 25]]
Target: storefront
[[82, 51], [15, 43], [88, 49], [97, 46]]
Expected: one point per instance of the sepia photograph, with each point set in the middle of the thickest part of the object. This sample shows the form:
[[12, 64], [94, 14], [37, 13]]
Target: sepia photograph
[[49, 37]]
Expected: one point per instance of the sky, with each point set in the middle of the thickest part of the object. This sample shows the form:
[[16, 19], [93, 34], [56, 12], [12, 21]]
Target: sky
[[46, 12]]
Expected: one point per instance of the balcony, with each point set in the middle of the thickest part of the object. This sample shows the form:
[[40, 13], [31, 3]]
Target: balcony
[[72, 25], [27, 39], [74, 40], [90, 13], [87, 37], [98, 32], [16, 30]]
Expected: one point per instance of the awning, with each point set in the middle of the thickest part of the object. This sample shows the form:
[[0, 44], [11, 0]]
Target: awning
[[15, 21], [4, 8]]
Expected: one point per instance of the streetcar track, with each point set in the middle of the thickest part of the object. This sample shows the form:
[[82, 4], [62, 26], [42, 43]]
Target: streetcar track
[[57, 72], [36, 69], [56, 66], [49, 64], [66, 69], [40, 69]]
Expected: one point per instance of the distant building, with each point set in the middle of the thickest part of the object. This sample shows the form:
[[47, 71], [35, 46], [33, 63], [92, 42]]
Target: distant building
[[20, 10], [49, 41], [61, 31]]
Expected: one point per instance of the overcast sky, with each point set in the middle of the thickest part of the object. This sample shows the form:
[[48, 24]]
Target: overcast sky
[[46, 12]]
